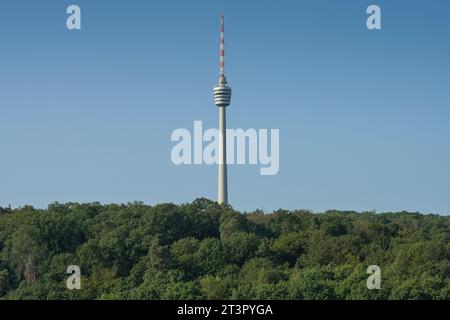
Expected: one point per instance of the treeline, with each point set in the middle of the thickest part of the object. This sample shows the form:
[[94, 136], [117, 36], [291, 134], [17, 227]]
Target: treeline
[[205, 251]]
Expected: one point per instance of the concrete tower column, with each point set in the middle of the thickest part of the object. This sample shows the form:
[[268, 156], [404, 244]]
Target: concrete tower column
[[223, 183]]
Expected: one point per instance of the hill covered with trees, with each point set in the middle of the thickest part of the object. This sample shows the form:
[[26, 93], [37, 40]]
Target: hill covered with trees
[[205, 251]]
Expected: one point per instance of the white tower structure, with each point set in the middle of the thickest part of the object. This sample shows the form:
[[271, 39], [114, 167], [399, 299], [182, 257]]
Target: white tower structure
[[222, 97]]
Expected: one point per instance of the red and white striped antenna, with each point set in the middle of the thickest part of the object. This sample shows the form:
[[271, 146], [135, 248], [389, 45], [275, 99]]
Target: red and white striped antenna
[[222, 45]]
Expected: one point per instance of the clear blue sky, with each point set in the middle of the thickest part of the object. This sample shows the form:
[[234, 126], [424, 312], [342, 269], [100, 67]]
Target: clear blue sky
[[363, 115]]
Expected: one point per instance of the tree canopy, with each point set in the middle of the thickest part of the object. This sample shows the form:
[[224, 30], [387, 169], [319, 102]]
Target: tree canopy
[[201, 250]]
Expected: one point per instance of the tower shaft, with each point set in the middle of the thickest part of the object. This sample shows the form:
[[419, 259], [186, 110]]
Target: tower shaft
[[223, 183]]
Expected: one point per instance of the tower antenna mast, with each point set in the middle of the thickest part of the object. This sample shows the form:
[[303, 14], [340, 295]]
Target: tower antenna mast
[[222, 45]]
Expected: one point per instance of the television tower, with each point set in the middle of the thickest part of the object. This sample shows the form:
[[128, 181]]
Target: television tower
[[222, 97]]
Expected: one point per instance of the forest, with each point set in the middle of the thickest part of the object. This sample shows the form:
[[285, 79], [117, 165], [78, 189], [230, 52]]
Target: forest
[[202, 250]]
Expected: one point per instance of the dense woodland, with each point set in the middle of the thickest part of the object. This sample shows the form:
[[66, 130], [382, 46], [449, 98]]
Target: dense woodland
[[205, 251]]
